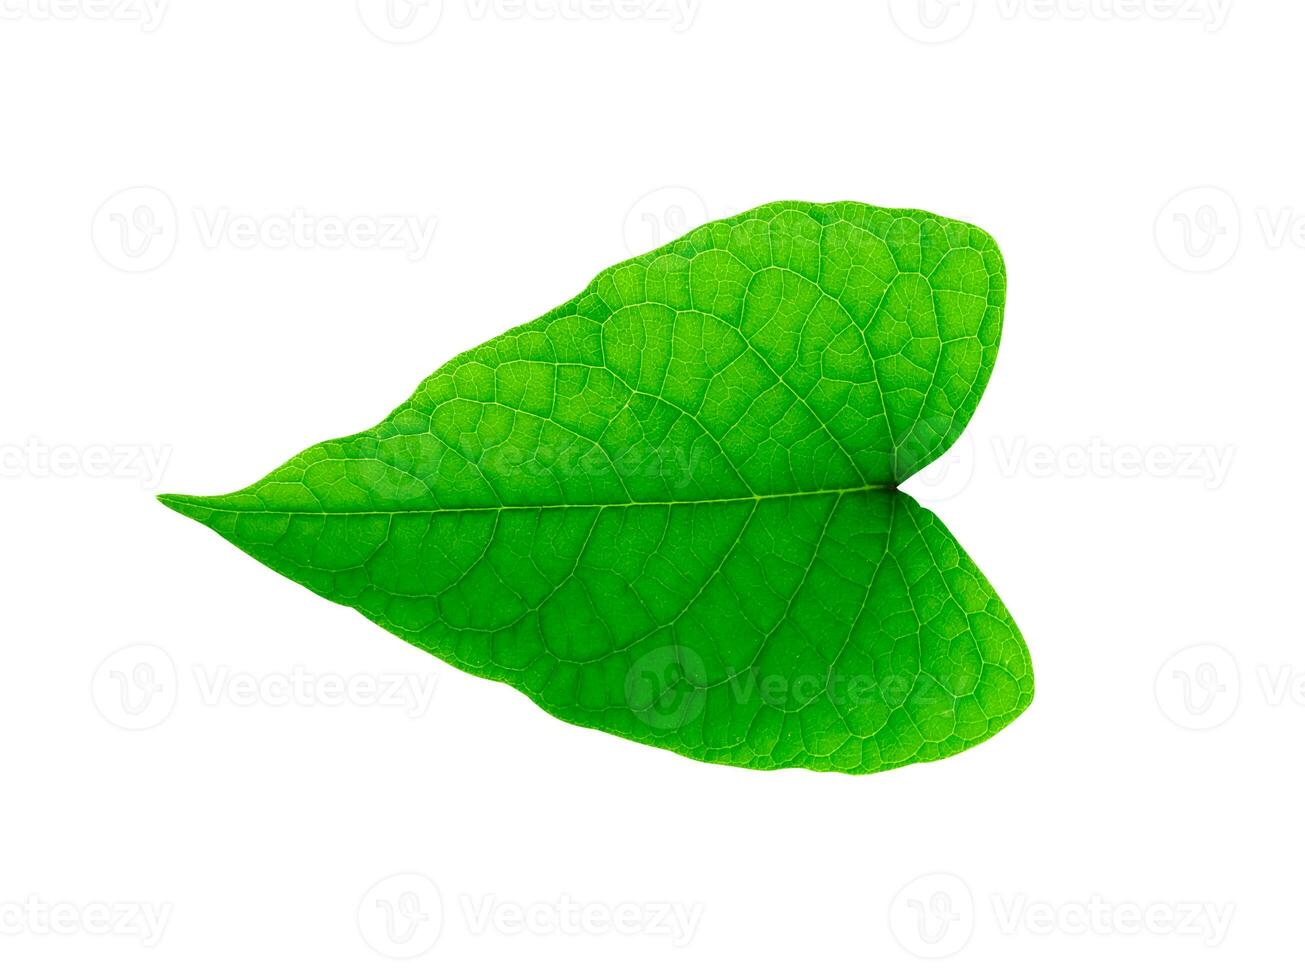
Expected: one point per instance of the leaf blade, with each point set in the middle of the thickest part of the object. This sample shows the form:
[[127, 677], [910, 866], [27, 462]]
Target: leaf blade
[[791, 362]]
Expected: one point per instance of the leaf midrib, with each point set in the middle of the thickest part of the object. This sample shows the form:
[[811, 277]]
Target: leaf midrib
[[173, 500]]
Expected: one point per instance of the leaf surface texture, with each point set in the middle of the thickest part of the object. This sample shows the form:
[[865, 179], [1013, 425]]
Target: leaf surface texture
[[668, 508]]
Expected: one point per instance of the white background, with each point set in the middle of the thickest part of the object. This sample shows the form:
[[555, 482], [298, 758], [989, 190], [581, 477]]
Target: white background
[[1130, 484]]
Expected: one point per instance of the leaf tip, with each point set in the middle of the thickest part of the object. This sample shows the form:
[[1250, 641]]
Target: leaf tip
[[185, 504]]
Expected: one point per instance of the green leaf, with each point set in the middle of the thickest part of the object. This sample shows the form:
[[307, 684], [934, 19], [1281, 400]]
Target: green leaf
[[668, 508]]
